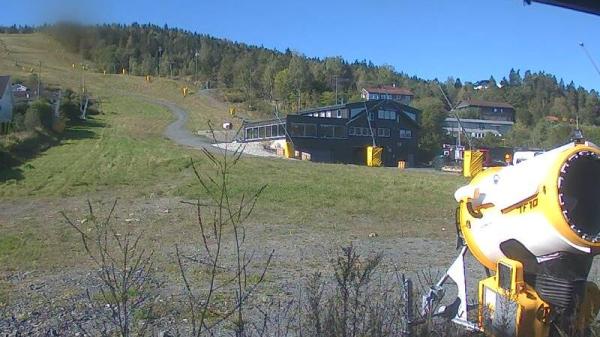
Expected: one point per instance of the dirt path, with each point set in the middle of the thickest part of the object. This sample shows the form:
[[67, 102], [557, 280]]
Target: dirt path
[[177, 131]]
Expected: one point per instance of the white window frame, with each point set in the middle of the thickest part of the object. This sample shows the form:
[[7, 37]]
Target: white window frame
[[405, 133], [383, 132]]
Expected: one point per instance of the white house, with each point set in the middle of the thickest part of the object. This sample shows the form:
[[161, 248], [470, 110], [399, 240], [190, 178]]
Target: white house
[[6, 100]]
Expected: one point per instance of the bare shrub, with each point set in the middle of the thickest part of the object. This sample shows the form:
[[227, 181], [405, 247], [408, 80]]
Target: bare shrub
[[124, 268], [231, 272]]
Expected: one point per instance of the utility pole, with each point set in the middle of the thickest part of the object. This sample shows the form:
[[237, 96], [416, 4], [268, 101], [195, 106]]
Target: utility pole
[[158, 63], [196, 54], [39, 78], [299, 93], [83, 67], [336, 91], [337, 80]]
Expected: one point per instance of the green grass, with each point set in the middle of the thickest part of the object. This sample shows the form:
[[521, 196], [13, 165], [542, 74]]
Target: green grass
[[346, 197], [122, 153], [22, 246], [27, 50], [120, 149]]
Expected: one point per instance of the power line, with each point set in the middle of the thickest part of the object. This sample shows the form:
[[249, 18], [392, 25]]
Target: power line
[[587, 53], [460, 125]]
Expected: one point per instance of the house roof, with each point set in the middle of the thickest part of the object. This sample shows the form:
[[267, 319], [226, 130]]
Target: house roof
[[484, 104], [388, 89], [4, 82], [480, 121]]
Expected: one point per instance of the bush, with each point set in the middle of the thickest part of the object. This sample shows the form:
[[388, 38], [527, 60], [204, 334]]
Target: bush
[[69, 105], [39, 114]]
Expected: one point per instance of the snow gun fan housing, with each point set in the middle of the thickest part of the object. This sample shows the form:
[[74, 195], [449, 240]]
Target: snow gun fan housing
[[579, 194], [540, 219], [546, 205]]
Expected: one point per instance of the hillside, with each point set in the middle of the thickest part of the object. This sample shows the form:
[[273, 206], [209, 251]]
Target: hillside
[[22, 53], [122, 153], [306, 212], [255, 78]]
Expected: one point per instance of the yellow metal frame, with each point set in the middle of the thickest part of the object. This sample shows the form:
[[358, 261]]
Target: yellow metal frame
[[532, 314], [288, 150], [374, 156], [472, 163]]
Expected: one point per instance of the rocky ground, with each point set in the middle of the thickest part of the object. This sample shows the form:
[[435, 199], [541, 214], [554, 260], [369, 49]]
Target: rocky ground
[[52, 296]]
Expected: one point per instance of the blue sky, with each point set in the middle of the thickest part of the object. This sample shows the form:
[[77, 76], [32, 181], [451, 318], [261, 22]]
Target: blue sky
[[469, 39]]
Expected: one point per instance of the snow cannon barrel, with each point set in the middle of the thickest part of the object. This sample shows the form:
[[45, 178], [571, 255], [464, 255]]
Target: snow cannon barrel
[[542, 209]]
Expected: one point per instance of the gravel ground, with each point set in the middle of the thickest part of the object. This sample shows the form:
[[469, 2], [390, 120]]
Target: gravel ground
[[47, 301], [42, 300], [251, 148]]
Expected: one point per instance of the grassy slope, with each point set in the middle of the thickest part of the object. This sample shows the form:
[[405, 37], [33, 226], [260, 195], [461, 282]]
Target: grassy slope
[[123, 154], [29, 50]]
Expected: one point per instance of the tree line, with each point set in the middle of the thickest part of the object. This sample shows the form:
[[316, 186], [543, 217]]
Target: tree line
[[261, 77]]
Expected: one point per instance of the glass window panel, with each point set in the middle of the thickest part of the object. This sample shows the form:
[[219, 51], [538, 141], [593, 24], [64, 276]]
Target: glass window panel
[[296, 129], [310, 130], [282, 129], [326, 131]]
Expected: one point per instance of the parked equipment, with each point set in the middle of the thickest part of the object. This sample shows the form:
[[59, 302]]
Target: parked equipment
[[536, 226], [374, 156]]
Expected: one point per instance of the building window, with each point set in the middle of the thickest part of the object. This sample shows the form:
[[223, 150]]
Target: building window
[[386, 114], [297, 129], [383, 132], [412, 115], [332, 131], [310, 130], [252, 133], [371, 116], [404, 133], [303, 130], [326, 131], [357, 131], [268, 131], [341, 113]]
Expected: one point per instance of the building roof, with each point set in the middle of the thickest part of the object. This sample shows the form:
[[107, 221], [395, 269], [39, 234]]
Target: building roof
[[4, 82], [323, 108], [388, 89], [484, 104], [480, 121], [371, 104]]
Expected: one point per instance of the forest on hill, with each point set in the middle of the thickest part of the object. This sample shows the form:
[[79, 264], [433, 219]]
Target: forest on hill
[[260, 77]]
